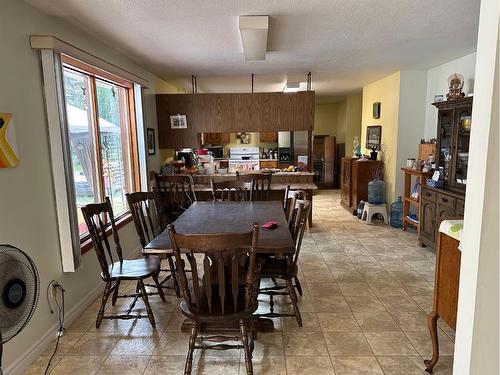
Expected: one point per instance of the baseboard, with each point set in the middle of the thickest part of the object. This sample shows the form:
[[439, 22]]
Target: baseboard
[[39, 346]]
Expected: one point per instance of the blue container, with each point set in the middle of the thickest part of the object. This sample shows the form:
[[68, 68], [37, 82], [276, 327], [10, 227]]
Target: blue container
[[397, 213], [376, 191]]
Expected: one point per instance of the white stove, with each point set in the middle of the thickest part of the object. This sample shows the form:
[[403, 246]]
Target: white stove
[[244, 159]]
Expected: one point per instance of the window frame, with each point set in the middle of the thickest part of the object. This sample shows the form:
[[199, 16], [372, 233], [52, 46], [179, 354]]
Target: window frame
[[68, 62]]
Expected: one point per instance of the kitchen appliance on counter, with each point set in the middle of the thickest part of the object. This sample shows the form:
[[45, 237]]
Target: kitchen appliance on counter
[[244, 159], [188, 155], [217, 151]]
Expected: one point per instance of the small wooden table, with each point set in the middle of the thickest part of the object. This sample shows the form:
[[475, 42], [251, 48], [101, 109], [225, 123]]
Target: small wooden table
[[446, 285], [232, 217]]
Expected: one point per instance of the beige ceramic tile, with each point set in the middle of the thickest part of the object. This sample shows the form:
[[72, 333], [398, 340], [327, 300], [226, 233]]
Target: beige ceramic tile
[[94, 343], [337, 304], [397, 365], [304, 343], [265, 365], [390, 343], [308, 365], [364, 304], [422, 342], [356, 289], [40, 364], [380, 321], [365, 365], [209, 365], [123, 365], [309, 323], [167, 365], [347, 344], [338, 322], [78, 365]]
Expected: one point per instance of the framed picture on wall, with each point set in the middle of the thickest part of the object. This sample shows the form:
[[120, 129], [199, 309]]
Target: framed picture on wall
[[178, 122], [151, 142], [373, 137]]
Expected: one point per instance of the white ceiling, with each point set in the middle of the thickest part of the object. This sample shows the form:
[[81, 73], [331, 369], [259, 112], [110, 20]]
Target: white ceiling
[[344, 43]]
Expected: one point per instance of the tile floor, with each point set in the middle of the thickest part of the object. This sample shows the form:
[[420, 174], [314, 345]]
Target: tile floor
[[367, 290]]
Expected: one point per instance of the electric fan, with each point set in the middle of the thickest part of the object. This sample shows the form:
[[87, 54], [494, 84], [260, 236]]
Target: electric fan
[[19, 288]]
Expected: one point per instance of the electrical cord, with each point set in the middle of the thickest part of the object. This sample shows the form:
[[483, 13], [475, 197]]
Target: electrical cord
[[60, 308]]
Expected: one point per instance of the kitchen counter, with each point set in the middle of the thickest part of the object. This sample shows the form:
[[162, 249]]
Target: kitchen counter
[[284, 178]]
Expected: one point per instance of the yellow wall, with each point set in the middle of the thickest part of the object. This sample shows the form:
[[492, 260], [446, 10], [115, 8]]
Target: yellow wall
[[386, 91], [353, 120], [341, 121], [325, 119]]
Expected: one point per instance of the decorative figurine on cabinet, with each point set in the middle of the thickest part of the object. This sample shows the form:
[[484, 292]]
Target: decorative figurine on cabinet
[[455, 84]]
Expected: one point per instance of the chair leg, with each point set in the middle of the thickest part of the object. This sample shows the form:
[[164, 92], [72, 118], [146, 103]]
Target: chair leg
[[297, 285], [144, 295], [293, 297], [246, 346], [105, 296], [174, 277], [158, 286], [192, 342], [115, 293]]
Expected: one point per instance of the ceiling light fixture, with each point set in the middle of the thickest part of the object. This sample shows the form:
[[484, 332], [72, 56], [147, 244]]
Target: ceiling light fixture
[[294, 86], [254, 31]]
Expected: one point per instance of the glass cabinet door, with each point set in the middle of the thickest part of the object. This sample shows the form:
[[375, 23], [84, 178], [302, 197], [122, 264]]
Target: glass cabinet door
[[445, 143], [461, 157]]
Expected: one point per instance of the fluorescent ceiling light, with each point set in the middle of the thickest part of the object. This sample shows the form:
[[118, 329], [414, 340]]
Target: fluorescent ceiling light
[[294, 87], [253, 31]]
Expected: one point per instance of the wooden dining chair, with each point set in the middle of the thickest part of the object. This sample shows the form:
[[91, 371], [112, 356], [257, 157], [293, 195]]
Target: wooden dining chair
[[237, 191], [225, 291], [143, 208], [97, 216], [261, 184], [285, 268], [176, 195]]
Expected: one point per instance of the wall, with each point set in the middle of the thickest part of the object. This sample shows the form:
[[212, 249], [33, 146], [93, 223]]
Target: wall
[[385, 91], [353, 120], [412, 96], [341, 121], [325, 119], [437, 83], [477, 336], [28, 219]]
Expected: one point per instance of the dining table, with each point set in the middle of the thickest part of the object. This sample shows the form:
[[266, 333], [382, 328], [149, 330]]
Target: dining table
[[231, 217]]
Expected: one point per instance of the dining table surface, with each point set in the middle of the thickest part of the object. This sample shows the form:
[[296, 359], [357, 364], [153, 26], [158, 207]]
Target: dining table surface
[[231, 217]]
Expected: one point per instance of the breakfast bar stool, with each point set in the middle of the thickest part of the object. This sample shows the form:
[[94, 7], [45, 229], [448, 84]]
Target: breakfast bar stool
[[371, 209]]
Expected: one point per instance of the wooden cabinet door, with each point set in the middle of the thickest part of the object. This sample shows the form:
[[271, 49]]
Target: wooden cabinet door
[[345, 187], [445, 212], [427, 224], [268, 137], [216, 138]]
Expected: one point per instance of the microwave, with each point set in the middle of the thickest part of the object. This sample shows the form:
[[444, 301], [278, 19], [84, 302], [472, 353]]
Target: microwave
[[217, 151]]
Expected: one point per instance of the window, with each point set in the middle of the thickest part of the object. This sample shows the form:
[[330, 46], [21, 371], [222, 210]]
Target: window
[[102, 139]]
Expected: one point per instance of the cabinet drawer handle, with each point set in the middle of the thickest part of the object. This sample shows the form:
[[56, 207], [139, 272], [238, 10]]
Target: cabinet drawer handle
[[445, 200]]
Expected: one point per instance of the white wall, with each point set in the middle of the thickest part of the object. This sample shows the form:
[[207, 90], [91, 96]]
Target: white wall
[[437, 83], [477, 337], [412, 94], [28, 215]]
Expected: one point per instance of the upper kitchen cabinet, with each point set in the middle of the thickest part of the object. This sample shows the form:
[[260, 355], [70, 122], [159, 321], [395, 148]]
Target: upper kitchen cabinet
[[215, 138], [171, 105], [268, 137], [220, 113]]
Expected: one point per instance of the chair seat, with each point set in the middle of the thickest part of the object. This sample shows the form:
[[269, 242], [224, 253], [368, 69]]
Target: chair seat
[[134, 268], [202, 313], [277, 267]]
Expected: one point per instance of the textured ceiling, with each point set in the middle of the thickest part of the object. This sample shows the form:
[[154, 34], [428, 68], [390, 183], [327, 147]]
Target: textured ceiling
[[344, 43]]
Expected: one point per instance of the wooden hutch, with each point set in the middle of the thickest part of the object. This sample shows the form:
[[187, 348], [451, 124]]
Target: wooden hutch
[[452, 153], [355, 175]]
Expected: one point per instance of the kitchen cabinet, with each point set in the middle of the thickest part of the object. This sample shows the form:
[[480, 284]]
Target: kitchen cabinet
[[268, 164], [215, 138], [268, 137], [355, 175], [239, 112]]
